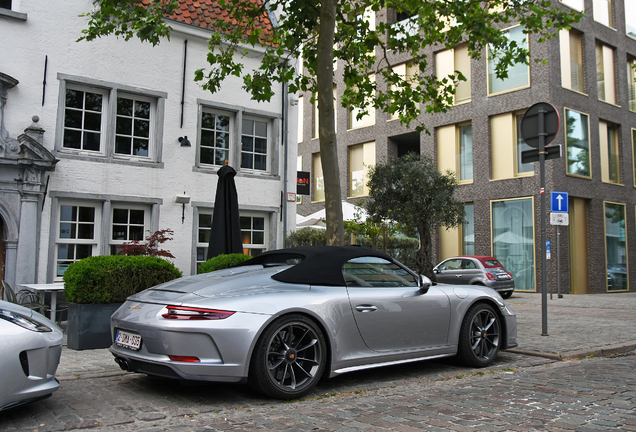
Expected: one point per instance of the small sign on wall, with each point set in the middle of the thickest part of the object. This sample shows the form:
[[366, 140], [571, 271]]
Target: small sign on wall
[[303, 183]]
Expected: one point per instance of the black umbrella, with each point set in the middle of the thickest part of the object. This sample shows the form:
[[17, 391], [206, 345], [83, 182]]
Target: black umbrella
[[225, 236]]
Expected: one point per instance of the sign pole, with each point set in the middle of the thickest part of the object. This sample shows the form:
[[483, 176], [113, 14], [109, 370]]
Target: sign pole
[[559, 295], [544, 262]]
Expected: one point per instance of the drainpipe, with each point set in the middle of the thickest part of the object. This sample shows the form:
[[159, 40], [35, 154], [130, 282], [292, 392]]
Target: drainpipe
[[285, 144]]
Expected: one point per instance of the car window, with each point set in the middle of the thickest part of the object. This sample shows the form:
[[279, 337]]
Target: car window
[[376, 272], [492, 263], [451, 264], [469, 265]]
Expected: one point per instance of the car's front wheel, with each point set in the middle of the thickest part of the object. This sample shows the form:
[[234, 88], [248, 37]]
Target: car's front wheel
[[480, 336], [289, 358]]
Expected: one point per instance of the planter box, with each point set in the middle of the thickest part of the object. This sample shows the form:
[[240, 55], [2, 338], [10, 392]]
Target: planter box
[[89, 325]]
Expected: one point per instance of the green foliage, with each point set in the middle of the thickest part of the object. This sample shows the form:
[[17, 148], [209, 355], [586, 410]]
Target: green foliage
[[324, 31], [363, 47], [401, 248], [222, 261], [307, 237], [414, 193], [113, 278]]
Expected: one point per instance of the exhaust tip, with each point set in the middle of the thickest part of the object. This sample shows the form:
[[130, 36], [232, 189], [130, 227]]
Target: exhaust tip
[[123, 364]]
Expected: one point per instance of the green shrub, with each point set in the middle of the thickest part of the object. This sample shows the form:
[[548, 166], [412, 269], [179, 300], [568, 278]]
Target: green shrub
[[307, 237], [401, 248], [113, 278], [221, 262]]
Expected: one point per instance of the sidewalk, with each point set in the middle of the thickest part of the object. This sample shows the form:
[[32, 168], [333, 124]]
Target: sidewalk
[[578, 326]]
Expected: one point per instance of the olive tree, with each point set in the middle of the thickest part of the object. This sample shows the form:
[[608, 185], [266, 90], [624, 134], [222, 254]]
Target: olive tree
[[321, 32], [411, 191]]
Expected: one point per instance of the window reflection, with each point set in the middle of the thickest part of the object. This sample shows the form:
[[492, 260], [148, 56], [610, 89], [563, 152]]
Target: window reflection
[[513, 239], [615, 247]]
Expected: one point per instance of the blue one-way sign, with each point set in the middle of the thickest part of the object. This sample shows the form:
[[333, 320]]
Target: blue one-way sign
[[559, 202]]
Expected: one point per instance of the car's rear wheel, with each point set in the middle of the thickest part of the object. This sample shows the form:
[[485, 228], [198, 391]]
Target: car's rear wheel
[[480, 336], [289, 358], [506, 294]]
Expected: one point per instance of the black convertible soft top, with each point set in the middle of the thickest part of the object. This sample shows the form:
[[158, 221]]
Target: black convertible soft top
[[320, 265]]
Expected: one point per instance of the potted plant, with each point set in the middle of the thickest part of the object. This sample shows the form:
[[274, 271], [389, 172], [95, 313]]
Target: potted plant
[[96, 286]]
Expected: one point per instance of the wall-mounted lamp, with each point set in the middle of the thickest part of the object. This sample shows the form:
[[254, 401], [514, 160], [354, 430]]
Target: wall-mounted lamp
[[293, 101], [185, 142], [182, 199]]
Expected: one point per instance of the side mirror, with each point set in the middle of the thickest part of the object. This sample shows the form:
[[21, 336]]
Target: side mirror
[[424, 283], [436, 270]]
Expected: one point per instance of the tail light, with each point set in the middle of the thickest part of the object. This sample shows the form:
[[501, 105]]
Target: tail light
[[189, 359], [510, 275], [490, 276], [191, 313]]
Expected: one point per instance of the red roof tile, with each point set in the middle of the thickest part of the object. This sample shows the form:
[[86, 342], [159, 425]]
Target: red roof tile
[[204, 12]]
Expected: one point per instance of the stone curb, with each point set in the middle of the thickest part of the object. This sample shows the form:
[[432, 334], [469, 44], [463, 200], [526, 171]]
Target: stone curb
[[579, 354]]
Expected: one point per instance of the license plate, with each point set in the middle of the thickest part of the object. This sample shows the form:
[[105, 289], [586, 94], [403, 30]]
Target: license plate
[[128, 340], [503, 277]]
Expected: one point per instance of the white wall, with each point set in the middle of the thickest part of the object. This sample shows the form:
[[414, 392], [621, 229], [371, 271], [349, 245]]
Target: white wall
[[51, 30]]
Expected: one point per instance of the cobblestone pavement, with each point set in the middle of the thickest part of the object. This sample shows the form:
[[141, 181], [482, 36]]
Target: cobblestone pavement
[[518, 392], [592, 394]]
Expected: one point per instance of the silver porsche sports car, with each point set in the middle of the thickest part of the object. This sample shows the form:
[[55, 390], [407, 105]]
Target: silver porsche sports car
[[31, 350], [285, 318]]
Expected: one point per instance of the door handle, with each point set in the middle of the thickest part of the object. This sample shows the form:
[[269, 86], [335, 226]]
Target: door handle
[[366, 308]]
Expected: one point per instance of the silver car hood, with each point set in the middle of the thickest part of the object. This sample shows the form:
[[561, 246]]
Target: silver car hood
[[232, 282]]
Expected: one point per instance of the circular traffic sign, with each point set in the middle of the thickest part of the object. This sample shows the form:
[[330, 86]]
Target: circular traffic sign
[[530, 124]]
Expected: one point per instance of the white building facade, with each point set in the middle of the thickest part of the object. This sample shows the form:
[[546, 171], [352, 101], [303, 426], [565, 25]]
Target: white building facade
[[94, 144]]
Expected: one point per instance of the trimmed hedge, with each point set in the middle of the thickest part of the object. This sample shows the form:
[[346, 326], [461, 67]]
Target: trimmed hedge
[[221, 262], [113, 278], [402, 249]]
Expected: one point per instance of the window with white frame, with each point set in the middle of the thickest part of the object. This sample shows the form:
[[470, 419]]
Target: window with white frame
[[84, 119], [128, 223], [5, 4], [253, 233], [132, 130], [128, 129], [204, 228], [215, 136], [254, 144], [77, 232]]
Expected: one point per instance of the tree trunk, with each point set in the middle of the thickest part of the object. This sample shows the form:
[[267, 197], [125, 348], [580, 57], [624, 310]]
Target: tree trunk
[[423, 264], [327, 126]]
